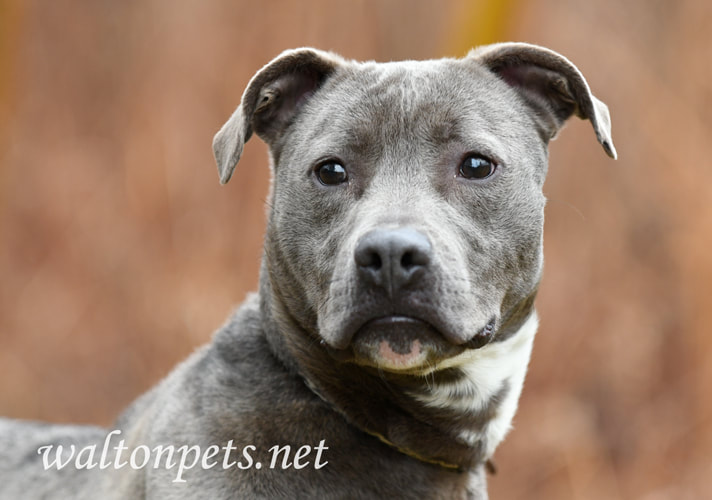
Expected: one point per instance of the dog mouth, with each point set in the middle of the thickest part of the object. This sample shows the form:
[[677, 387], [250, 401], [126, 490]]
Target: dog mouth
[[404, 344]]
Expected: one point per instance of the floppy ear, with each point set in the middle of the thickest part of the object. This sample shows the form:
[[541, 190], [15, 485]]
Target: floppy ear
[[272, 99], [551, 85]]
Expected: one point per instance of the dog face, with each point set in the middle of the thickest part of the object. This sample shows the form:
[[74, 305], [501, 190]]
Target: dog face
[[420, 211], [406, 210]]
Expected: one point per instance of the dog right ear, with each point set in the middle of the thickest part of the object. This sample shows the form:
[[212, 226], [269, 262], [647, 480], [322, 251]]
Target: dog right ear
[[272, 98]]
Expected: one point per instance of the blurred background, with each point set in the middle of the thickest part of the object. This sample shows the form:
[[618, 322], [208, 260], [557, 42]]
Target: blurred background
[[120, 253]]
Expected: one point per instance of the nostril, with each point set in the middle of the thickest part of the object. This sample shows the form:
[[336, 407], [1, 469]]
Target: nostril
[[374, 261], [414, 258], [368, 257], [407, 260], [411, 260]]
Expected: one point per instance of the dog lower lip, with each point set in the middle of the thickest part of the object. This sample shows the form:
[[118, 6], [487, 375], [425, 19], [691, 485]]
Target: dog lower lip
[[399, 330], [399, 343], [401, 338]]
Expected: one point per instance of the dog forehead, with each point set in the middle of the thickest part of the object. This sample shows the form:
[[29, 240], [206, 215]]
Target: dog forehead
[[398, 91], [412, 81], [369, 106]]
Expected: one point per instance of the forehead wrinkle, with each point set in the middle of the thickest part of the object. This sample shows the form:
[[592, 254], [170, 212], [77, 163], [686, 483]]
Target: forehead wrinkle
[[421, 108], [399, 112]]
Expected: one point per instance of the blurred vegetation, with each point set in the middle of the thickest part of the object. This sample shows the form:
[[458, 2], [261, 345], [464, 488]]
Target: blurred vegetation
[[482, 22], [120, 252]]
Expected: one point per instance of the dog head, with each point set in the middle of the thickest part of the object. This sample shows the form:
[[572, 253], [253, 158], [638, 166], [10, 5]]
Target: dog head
[[406, 212]]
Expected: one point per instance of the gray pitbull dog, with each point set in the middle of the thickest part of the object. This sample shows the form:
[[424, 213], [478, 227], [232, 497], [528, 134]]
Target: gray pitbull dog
[[385, 352]]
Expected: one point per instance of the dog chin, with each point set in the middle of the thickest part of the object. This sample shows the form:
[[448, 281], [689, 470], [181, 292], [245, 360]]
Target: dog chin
[[400, 344]]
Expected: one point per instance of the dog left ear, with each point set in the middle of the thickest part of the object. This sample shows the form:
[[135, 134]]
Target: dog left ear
[[550, 84], [273, 97]]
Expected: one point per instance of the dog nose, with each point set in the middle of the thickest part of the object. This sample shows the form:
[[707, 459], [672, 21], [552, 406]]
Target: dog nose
[[392, 258]]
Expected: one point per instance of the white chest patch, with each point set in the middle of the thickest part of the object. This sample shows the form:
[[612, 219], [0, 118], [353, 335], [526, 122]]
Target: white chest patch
[[487, 370]]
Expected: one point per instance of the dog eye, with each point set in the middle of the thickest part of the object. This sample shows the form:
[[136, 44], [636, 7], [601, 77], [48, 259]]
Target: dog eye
[[477, 167], [331, 173]]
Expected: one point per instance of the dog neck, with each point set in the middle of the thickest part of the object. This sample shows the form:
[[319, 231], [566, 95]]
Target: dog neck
[[453, 417]]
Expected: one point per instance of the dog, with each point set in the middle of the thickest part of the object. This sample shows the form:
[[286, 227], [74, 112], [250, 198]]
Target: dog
[[385, 351]]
